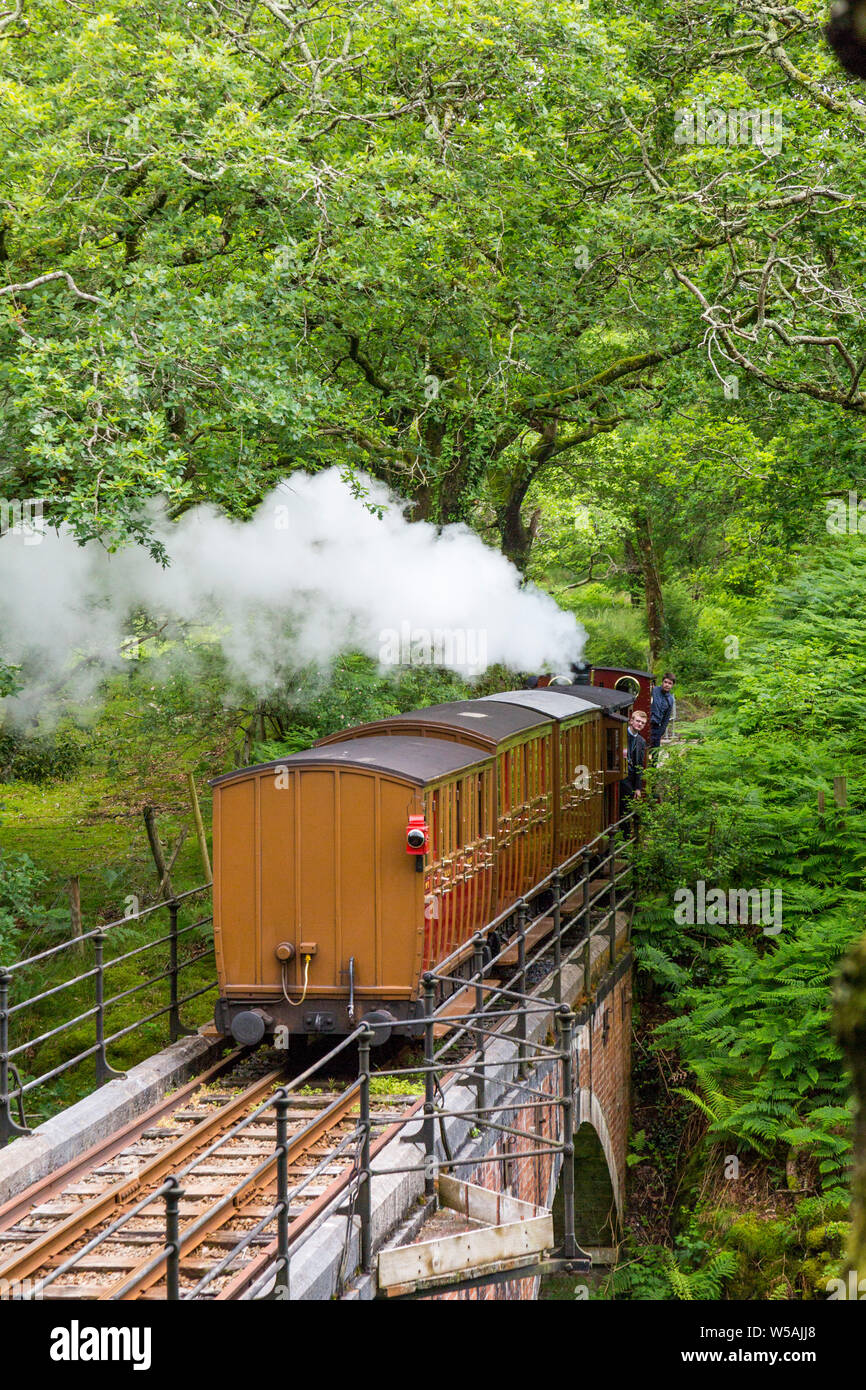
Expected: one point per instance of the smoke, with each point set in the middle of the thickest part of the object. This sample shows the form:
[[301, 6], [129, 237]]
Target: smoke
[[314, 573]]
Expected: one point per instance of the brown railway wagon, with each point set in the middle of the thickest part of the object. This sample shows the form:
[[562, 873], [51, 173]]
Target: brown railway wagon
[[615, 763], [577, 764], [315, 896], [523, 743], [613, 703]]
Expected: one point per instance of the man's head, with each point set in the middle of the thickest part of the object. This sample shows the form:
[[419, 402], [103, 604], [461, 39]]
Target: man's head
[[637, 721], [668, 682]]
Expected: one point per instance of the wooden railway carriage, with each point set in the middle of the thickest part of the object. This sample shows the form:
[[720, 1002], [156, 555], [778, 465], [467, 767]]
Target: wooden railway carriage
[[522, 740], [613, 702], [321, 916], [313, 884], [577, 764]]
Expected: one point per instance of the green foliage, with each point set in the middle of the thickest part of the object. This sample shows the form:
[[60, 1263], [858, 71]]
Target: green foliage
[[20, 910], [724, 1253], [356, 692], [396, 1085], [40, 758], [242, 248], [690, 1271], [740, 810], [616, 629], [786, 1256]]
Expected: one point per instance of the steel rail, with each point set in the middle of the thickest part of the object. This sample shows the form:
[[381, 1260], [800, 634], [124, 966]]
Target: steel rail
[[261, 1264], [222, 1266], [91, 1213], [18, 1207], [228, 1206]]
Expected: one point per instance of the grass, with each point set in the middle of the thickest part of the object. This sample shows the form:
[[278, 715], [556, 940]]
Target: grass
[[90, 825], [396, 1085]]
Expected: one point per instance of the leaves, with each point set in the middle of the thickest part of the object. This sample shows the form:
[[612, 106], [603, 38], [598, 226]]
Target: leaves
[[751, 1009]]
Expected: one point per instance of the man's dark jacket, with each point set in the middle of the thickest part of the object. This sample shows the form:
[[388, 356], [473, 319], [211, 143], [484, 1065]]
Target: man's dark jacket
[[660, 713], [636, 758]]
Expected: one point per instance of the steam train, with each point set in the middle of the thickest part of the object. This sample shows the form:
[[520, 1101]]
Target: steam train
[[342, 873]]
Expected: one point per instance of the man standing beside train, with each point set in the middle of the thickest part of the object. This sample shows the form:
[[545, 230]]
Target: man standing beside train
[[661, 709], [632, 783]]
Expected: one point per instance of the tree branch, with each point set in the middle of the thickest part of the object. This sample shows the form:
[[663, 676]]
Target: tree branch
[[23, 287]]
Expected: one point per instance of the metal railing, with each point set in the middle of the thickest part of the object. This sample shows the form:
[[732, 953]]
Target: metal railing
[[497, 1007], [16, 1004], [499, 1011]]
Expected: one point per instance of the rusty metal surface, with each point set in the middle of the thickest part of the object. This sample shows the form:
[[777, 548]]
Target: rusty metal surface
[[18, 1206], [134, 1283], [109, 1203]]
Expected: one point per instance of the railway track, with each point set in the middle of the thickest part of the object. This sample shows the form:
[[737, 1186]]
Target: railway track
[[97, 1229], [183, 1201]]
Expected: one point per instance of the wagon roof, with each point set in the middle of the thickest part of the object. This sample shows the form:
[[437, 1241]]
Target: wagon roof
[[490, 719], [551, 703], [623, 671], [418, 760], [596, 695]]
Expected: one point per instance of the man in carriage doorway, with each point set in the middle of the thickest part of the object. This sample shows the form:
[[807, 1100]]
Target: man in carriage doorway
[[661, 709], [632, 783]]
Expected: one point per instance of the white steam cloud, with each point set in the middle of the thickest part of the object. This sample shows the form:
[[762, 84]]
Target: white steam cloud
[[313, 574]]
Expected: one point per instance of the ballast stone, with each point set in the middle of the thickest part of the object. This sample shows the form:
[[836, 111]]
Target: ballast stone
[[68, 1135]]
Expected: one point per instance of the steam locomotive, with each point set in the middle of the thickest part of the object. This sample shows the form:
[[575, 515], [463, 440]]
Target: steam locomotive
[[342, 873]]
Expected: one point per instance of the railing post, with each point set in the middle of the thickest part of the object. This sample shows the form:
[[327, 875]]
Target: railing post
[[557, 937], [611, 930], [587, 930], [281, 1286], [175, 1028], [173, 1194], [586, 894], [565, 1019], [365, 1194], [478, 970], [429, 1085], [8, 1128], [635, 847], [522, 914], [104, 1072]]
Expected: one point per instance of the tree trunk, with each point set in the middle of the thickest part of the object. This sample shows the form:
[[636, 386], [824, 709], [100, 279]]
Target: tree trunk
[[516, 537], [655, 609], [634, 572]]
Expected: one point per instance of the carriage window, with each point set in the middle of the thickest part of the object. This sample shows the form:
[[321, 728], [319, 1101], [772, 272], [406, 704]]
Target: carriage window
[[433, 817], [612, 749]]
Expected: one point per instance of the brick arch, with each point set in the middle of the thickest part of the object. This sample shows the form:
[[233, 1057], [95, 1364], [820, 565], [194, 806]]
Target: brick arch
[[591, 1113], [603, 1069]]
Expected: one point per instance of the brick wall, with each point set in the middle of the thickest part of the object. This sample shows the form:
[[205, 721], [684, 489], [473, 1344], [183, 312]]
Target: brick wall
[[602, 1082], [604, 1070]]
